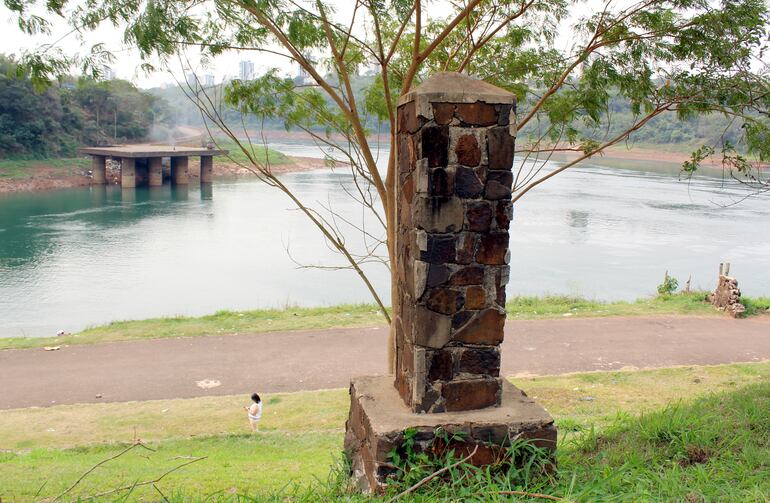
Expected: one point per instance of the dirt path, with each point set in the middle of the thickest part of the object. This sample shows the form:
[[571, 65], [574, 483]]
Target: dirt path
[[317, 359]]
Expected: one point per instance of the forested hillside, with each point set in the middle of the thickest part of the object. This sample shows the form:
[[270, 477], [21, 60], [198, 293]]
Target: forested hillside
[[55, 121]]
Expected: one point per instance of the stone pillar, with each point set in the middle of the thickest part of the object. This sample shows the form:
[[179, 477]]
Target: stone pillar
[[155, 169], [455, 145], [179, 167], [207, 169], [127, 172], [455, 152], [98, 170]]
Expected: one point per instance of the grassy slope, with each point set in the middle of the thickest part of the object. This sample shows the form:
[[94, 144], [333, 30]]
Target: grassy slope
[[261, 153], [605, 448], [271, 320], [10, 168]]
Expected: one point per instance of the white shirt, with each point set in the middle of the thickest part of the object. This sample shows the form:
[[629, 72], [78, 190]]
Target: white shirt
[[255, 411]]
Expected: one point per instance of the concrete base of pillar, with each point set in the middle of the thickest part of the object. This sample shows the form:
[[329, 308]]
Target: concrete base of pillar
[[98, 170], [128, 172], [179, 170], [207, 169], [378, 419], [155, 168]]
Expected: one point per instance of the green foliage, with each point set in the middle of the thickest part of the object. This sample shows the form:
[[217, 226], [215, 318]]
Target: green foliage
[[520, 464], [55, 121], [669, 285], [756, 305]]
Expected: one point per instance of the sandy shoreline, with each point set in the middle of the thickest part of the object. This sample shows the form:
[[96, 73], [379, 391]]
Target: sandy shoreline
[[49, 178]]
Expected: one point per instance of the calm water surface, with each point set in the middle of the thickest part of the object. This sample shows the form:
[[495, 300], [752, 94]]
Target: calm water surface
[[74, 258]]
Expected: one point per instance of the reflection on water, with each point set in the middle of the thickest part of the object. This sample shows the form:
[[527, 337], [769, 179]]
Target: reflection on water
[[73, 258]]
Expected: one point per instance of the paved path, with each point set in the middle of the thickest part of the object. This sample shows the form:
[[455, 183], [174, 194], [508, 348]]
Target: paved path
[[317, 359]]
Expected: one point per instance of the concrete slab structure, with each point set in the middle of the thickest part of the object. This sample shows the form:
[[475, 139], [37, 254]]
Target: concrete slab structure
[[128, 172], [454, 148], [149, 158], [179, 170], [98, 170], [155, 169]]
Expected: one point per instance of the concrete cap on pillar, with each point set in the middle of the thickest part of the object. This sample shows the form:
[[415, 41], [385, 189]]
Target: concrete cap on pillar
[[453, 87], [458, 88]]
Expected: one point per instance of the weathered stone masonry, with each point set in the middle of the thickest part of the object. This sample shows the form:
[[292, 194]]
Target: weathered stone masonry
[[455, 142], [454, 212]]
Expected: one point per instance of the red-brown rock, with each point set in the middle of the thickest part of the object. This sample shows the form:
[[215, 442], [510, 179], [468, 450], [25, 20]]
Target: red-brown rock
[[407, 189], [475, 298], [477, 114], [478, 215], [503, 214], [485, 328], [443, 113], [472, 275], [492, 248], [468, 151], [408, 121], [444, 300], [466, 244], [471, 395]]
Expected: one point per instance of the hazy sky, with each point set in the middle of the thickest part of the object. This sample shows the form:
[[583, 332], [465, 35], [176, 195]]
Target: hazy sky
[[128, 62]]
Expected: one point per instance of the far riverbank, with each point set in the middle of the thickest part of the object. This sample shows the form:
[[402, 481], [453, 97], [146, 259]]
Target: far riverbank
[[51, 174]]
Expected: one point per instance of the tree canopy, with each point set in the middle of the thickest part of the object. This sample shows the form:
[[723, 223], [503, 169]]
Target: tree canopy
[[55, 121]]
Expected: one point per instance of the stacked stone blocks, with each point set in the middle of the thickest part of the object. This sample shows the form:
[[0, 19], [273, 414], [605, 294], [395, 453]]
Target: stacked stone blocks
[[455, 146], [454, 212]]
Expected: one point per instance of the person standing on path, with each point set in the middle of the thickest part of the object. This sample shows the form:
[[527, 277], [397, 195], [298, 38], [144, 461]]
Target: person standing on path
[[254, 412]]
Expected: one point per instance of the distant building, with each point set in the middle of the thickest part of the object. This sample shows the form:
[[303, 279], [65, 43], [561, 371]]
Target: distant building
[[208, 80], [192, 80], [303, 77], [109, 74], [246, 70]]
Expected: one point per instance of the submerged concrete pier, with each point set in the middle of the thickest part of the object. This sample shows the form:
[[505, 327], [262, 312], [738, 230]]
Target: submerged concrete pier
[[147, 159]]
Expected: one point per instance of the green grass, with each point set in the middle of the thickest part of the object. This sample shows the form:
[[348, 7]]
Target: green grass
[[637, 440], [261, 153], [360, 315], [756, 305], [219, 323], [25, 168], [555, 306]]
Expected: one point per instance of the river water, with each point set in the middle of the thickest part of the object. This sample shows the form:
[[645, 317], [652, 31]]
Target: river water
[[75, 258]]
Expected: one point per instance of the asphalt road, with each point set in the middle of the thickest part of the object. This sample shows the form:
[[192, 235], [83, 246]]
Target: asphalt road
[[318, 359]]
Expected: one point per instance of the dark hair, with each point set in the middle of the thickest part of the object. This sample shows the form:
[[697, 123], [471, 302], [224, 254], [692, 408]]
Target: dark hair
[[256, 398]]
